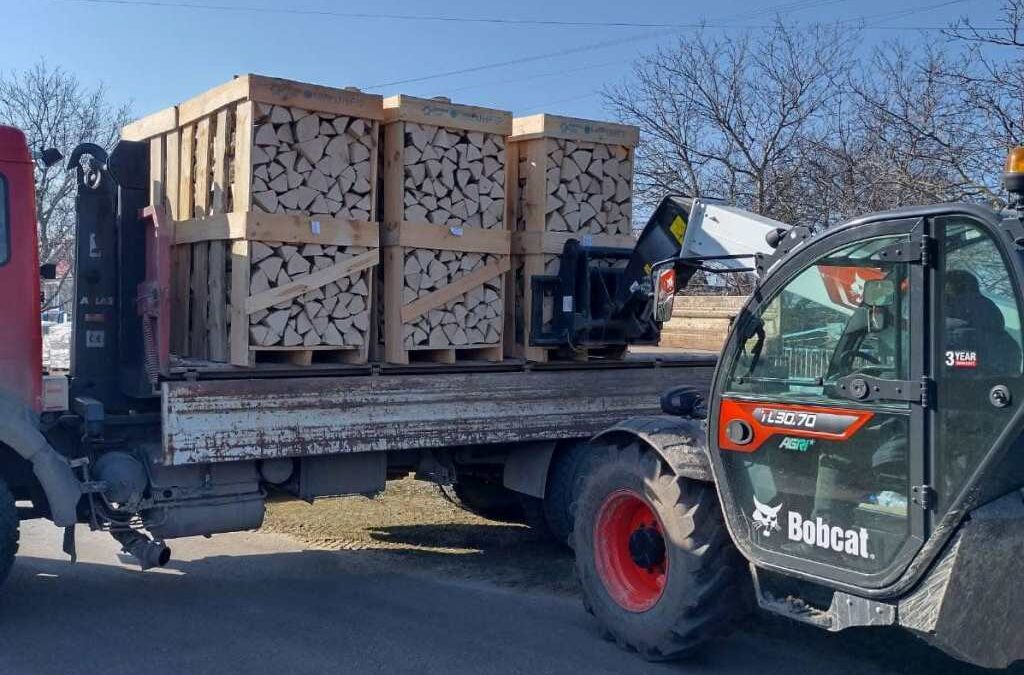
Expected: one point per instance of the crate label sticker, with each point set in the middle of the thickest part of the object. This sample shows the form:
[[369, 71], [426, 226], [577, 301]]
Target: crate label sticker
[[95, 339], [315, 226], [961, 359], [456, 230], [566, 303], [94, 250]]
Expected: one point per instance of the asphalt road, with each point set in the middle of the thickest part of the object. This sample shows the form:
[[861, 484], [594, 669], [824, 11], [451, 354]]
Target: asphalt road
[[258, 603]]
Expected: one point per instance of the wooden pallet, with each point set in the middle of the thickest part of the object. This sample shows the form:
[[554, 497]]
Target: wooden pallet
[[221, 313], [551, 204], [445, 242]]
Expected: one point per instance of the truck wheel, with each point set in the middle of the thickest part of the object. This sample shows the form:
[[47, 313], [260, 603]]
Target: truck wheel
[[567, 467], [656, 564], [488, 500], [8, 530]]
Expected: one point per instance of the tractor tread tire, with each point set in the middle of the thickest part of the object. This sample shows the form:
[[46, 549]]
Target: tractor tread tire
[[562, 487], [9, 525], [708, 587], [492, 501]]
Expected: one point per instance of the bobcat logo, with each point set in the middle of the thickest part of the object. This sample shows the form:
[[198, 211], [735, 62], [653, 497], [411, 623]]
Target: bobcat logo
[[766, 517]]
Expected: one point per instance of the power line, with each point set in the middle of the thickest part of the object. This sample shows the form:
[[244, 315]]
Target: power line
[[502, 21]]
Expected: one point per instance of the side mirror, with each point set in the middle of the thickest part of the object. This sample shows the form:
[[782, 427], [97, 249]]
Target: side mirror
[[663, 279], [879, 293], [48, 271]]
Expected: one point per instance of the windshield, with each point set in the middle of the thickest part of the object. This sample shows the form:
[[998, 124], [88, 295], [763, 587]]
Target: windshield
[[845, 314]]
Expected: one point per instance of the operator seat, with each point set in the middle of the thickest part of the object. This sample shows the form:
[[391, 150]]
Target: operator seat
[[974, 323]]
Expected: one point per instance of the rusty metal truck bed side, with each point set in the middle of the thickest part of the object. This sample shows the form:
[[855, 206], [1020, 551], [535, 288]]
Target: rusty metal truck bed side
[[227, 420]]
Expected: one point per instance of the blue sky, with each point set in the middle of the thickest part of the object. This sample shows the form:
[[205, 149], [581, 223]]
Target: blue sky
[[159, 52]]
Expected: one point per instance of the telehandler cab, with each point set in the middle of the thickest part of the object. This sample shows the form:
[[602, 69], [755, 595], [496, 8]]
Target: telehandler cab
[[858, 460]]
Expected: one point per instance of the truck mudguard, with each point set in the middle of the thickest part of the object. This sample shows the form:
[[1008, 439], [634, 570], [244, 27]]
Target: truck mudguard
[[19, 431], [680, 441]]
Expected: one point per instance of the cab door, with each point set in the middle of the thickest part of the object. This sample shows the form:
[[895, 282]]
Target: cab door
[[818, 431]]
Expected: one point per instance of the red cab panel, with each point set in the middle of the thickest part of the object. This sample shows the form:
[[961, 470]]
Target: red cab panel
[[20, 329]]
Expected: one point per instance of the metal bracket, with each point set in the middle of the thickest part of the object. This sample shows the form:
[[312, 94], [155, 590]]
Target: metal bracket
[[867, 388], [917, 250], [924, 496], [763, 263], [1013, 229], [845, 610]]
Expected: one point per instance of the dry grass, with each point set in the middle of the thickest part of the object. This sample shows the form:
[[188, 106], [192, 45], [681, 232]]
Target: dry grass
[[412, 525]]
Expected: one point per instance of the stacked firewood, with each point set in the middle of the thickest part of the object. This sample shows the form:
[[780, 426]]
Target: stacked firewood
[[334, 315], [474, 318], [454, 177], [313, 163], [589, 187]]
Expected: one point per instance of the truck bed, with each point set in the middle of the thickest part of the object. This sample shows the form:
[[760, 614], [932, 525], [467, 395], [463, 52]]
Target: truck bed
[[228, 415]]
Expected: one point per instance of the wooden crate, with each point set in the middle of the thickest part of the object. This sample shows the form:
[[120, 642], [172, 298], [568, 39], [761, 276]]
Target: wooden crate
[[571, 178], [445, 237], [256, 145], [293, 288]]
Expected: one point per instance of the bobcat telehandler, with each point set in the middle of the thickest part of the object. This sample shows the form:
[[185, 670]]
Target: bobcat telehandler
[[859, 460]]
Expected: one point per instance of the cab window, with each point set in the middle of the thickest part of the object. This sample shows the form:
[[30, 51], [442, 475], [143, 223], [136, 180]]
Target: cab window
[[5, 233], [845, 314]]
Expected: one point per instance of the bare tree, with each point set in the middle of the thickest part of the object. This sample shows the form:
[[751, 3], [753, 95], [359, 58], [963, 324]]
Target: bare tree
[[55, 110], [729, 116]]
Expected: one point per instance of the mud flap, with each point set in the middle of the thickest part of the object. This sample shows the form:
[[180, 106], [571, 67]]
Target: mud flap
[[971, 604]]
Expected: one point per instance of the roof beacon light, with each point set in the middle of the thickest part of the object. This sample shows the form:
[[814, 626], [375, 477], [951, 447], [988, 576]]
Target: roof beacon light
[[1013, 173]]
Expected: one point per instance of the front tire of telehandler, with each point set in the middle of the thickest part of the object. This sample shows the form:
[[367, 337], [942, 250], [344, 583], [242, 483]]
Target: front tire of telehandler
[[9, 523], [654, 559]]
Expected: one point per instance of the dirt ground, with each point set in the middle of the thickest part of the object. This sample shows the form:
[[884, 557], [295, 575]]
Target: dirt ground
[[412, 522]]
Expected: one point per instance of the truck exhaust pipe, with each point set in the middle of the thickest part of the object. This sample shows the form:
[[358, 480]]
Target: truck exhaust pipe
[[147, 552]]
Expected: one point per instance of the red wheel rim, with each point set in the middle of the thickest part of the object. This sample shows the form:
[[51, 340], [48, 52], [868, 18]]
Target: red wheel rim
[[627, 536]]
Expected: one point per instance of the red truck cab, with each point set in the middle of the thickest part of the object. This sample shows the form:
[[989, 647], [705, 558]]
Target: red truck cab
[[20, 329]]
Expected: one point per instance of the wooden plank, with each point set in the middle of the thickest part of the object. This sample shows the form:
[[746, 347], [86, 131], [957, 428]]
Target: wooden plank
[[279, 227], [202, 170], [186, 186], [241, 187], [574, 129], [554, 242], [533, 265], [394, 281], [157, 180], [172, 173], [217, 325], [212, 100], [351, 102], [181, 276], [222, 131], [147, 127], [375, 171], [239, 338], [454, 289], [427, 235], [394, 173], [444, 114], [312, 281], [213, 420], [200, 299], [535, 197]]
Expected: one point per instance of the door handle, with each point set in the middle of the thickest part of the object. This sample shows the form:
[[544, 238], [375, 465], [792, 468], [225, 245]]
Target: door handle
[[1000, 396]]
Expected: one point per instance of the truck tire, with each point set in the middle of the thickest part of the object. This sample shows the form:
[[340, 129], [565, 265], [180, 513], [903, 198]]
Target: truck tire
[[567, 467], [654, 559], [483, 498], [8, 531]]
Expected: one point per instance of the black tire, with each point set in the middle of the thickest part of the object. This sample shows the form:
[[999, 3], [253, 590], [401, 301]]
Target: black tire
[[8, 531], [483, 498], [535, 518], [705, 586], [567, 466]]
